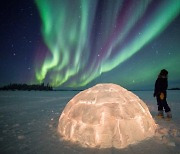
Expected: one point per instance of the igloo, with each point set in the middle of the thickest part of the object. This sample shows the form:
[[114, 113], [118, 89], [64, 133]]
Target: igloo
[[105, 116]]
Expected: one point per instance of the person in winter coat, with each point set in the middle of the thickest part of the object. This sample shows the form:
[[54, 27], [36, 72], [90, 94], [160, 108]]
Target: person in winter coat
[[160, 93]]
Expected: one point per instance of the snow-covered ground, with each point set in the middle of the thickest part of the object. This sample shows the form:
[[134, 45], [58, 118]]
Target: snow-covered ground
[[29, 120]]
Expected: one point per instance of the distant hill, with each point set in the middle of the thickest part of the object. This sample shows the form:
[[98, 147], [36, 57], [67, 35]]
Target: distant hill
[[174, 89], [40, 87]]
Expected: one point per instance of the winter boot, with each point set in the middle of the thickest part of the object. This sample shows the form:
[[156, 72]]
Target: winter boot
[[169, 115], [160, 114]]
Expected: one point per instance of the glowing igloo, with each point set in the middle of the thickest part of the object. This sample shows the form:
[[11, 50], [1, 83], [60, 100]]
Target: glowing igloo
[[105, 116]]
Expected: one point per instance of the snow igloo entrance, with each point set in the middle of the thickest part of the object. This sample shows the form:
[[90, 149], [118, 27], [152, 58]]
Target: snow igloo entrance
[[105, 116]]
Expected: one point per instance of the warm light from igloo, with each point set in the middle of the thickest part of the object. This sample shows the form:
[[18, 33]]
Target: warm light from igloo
[[104, 116]]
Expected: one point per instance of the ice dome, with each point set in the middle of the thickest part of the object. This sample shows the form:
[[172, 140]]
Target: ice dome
[[105, 116]]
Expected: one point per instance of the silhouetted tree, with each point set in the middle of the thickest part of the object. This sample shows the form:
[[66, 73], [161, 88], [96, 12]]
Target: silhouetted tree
[[27, 87]]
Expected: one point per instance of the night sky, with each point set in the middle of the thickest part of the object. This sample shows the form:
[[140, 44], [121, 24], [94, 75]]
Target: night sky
[[79, 43]]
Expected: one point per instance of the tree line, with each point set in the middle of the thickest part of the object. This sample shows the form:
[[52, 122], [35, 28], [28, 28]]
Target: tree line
[[41, 87]]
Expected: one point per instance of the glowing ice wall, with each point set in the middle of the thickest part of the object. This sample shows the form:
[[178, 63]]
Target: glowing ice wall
[[88, 37]]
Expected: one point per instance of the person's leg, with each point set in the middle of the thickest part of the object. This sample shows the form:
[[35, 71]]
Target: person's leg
[[160, 107], [167, 108]]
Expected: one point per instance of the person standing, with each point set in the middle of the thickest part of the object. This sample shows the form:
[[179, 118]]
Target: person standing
[[160, 93]]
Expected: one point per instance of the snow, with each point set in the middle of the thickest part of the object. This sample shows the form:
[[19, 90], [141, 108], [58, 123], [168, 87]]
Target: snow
[[115, 115], [29, 122]]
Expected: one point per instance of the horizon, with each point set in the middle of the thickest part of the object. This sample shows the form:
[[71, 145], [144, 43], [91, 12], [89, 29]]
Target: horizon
[[73, 89]]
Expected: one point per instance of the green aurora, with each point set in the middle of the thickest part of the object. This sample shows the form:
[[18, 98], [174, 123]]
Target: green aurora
[[88, 39]]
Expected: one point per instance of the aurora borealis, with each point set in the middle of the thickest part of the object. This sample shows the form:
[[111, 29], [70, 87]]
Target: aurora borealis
[[78, 43], [87, 38]]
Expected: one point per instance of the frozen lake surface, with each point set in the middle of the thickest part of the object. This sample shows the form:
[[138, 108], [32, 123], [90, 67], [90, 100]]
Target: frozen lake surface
[[29, 120]]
